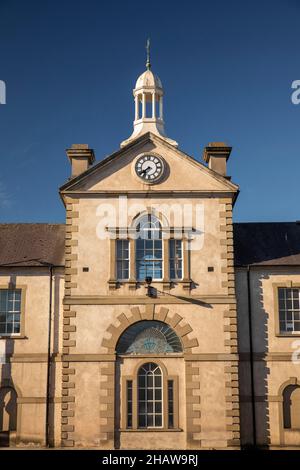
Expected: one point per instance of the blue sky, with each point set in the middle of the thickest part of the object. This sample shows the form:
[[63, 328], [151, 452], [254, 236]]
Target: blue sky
[[226, 68]]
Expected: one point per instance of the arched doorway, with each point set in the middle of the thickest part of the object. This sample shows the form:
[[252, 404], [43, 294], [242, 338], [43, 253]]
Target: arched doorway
[[122, 364], [149, 379]]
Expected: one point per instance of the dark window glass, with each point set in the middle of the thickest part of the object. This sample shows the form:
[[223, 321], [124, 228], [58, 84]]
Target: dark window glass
[[122, 259], [129, 403], [170, 404], [149, 400], [289, 309], [10, 311], [149, 258], [175, 260]]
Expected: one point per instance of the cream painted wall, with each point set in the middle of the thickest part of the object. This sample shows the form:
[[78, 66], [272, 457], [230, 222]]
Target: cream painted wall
[[24, 360], [278, 368]]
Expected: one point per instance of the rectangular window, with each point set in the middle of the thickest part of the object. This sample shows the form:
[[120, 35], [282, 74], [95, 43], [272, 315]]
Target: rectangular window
[[175, 251], [122, 258], [10, 311], [149, 259], [170, 404], [289, 310], [129, 403]]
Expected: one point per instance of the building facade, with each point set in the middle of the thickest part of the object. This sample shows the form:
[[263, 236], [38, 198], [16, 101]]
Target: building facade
[[149, 320]]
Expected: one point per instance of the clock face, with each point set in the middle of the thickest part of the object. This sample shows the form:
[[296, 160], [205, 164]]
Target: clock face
[[149, 168]]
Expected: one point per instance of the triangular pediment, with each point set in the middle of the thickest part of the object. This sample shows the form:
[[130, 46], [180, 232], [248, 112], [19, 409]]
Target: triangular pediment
[[117, 173]]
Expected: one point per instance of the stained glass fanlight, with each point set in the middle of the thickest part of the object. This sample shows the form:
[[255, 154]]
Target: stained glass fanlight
[[149, 337]]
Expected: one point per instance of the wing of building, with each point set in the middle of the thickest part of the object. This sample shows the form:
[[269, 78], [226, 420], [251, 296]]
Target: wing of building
[[149, 319]]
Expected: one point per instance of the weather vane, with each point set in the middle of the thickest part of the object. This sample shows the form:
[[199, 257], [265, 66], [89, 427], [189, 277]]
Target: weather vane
[[148, 64]]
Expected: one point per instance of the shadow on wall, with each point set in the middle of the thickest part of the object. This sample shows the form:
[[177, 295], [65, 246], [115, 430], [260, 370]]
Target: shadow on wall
[[8, 398], [261, 371], [55, 351], [254, 410]]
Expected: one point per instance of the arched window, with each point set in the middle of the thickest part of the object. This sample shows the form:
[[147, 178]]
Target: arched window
[[149, 256], [148, 337], [150, 398], [291, 407]]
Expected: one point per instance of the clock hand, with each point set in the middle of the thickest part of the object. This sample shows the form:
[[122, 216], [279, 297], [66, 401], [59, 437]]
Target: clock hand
[[145, 170]]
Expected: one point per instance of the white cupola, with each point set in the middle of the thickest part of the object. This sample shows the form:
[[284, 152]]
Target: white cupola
[[148, 99]]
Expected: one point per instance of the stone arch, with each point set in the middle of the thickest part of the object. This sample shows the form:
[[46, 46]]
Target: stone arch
[[280, 397], [176, 322], [291, 381]]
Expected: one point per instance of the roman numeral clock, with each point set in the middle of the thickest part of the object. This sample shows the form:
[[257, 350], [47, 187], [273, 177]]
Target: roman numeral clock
[[150, 168]]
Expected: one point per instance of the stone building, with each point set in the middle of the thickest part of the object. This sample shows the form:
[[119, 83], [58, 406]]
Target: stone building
[[149, 319]]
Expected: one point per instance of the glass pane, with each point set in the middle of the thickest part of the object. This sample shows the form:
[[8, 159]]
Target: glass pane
[[282, 326], [281, 293], [150, 407], [297, 326], [150, 422], [158, 420], [142, 421], [158, 407], [157, 381], [142, 381], [142, 407], [129, 421], [150, 380]]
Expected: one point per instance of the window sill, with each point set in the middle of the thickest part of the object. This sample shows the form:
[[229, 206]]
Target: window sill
[[166, 284], [287, 335], [13, 337], [151, 430]]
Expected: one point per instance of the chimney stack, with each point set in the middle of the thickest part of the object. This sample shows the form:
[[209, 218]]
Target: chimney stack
[[81, 158], [216, 155]]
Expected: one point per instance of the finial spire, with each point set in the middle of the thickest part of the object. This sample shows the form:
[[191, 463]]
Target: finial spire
[[148, 64]]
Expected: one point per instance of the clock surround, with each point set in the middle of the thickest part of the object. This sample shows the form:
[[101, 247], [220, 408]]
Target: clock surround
[[150, 167]]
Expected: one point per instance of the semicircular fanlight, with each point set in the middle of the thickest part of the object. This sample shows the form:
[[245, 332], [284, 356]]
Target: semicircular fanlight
[[149, 337]]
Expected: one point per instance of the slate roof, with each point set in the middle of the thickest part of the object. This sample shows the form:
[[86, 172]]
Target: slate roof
[[267, 243], [257, 243], [32, 244]]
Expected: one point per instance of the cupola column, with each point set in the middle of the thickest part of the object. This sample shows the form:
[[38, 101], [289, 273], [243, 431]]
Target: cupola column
[[136, 102], [161, 108], [144, 106], [153, 105]]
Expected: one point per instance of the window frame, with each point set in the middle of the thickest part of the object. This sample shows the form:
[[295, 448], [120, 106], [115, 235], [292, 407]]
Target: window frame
[[159, 238], [122, 260], [174, 240], [22, 288], [153, 388], [165, 402], [276, 287]]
